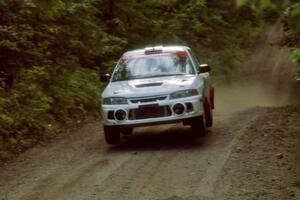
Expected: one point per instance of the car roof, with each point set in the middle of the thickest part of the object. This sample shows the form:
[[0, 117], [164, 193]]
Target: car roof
[[162, 48]]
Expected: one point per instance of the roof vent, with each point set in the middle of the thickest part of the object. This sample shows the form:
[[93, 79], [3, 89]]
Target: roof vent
[[153, 50]]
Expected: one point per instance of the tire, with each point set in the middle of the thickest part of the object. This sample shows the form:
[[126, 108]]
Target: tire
[[207, 113], [198, 127], [111, 134], [127, 131]]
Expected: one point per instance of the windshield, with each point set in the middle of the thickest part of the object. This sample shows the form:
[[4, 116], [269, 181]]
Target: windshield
[[154, 65]]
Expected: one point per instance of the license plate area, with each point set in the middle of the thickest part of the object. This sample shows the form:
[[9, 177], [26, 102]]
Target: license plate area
[[149, 111]]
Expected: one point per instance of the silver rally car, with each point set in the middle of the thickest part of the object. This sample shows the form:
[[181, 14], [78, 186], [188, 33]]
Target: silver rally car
[[157, 85]]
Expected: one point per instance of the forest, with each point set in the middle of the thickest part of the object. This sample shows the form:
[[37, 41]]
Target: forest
[[52, 52]]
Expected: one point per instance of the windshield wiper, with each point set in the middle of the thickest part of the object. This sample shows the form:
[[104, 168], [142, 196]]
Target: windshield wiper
[[149, 76]]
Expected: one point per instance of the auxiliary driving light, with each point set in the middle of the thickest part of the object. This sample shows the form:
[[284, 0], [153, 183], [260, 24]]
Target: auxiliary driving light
[[178, 108], [120, 115]]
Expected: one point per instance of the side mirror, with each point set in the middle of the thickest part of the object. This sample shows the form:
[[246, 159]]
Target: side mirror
[[203, 68], [105, 78]]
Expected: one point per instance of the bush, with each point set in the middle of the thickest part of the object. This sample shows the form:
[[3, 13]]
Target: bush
[[39, 102]]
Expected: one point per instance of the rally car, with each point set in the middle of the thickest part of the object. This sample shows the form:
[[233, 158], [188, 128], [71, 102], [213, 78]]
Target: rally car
[[157, 85]]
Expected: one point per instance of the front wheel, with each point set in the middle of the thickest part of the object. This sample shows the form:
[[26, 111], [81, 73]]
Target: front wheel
[[198, 127], [111, 134]]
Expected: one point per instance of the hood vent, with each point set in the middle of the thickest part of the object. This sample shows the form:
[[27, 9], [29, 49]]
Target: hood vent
[[148, 85]]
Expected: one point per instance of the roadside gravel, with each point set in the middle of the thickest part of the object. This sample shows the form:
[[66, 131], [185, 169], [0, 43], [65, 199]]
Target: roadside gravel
[[265, 163]]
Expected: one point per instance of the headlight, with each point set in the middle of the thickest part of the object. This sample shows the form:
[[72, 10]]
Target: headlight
[[183, 94], [114, 101]]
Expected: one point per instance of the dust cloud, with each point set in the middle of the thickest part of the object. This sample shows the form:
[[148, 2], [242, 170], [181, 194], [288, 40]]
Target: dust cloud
[[265, 79], [235, 98]]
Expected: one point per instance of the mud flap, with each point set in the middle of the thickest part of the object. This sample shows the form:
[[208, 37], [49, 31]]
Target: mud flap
[[212, 98]]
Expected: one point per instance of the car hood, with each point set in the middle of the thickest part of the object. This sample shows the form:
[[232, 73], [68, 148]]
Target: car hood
[[150, 86]]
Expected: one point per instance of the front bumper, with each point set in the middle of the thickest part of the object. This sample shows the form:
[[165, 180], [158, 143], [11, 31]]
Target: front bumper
[[172, 117]]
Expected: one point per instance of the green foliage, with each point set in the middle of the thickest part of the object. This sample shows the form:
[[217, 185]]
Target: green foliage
[[219, 31], [289, 10], [49, 50], [295, 57], [40, 100]]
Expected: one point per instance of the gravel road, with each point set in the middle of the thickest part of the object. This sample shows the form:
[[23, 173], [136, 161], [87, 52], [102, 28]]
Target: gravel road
[[154, 163], [250, 153]]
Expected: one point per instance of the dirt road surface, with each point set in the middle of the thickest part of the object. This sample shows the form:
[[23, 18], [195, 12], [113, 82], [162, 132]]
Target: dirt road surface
[[250, 153]]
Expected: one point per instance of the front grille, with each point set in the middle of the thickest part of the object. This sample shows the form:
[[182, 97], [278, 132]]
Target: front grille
[[149, 112], [149, 99]]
